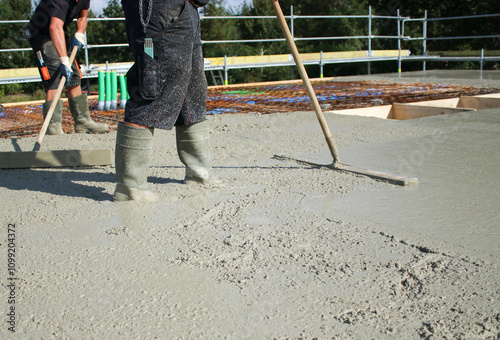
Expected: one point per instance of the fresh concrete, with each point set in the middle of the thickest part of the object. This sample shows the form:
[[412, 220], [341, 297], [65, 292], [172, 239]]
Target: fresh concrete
[[282, 250]]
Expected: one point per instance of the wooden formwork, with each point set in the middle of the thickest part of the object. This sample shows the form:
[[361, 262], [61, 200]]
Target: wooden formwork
[[404, 111]]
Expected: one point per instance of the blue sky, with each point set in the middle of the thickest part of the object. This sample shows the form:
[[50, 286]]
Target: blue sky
[[236, 3], [98, 5]]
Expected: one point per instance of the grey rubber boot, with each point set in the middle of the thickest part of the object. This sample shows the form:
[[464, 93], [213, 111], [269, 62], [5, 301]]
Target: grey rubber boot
[[79, 108], [193, 148], [55, 125], [132, 158]]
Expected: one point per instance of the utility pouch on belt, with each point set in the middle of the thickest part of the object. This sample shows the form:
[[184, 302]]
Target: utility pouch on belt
[[41, 65], [148, 77]]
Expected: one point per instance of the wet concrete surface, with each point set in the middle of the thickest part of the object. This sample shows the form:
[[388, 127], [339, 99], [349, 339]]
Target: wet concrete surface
[[485, 78], [280, 250], [450, 74], [455, 205]]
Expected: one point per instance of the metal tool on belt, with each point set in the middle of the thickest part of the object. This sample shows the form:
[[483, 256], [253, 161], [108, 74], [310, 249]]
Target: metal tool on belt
[[148, 42]]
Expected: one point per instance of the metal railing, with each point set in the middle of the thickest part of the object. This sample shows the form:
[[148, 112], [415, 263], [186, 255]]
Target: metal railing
[[91, 71]]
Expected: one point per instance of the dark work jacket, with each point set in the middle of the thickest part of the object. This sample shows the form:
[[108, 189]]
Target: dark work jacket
[[66, 10]]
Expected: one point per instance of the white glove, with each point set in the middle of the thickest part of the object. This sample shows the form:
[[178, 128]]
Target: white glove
[[80, 37], [65, 62], [65, 69], [78, 40]]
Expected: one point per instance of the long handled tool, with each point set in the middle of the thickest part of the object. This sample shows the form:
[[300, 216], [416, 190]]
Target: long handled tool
[[56, 158], [336, 164], [53, 105]]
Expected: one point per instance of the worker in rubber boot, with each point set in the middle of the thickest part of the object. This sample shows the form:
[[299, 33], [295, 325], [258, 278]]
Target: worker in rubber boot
[[168, 89], [47, 34]]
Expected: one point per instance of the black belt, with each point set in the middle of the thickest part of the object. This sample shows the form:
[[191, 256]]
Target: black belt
[[194, 3]]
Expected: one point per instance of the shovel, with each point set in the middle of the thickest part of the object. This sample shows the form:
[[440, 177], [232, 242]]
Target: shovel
[[336, 164], [56, 158]]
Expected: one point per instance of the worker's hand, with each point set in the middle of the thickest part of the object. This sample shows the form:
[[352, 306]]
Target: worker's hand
[[66, 70], [78, 41]]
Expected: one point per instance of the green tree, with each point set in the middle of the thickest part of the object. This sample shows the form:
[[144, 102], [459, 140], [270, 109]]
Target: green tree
[[10, 34], [441, 28], [260, 28], [331, 27], [218, 29], [109, 32]]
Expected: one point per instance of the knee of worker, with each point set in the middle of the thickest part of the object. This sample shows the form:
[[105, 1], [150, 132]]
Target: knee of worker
[[75, 79]]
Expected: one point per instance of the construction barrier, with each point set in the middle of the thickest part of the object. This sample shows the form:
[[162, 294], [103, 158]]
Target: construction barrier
[[108, 90]]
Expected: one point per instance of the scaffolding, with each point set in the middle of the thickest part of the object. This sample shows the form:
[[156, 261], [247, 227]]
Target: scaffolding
[[219, 67]]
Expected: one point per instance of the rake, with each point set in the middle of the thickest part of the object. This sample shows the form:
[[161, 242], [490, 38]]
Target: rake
[[336, 164]]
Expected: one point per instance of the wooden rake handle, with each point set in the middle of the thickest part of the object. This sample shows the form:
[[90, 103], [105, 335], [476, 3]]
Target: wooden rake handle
[[60, 88], [306, 81]]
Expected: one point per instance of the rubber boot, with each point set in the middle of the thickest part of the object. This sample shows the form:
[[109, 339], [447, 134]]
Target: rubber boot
[[132, 157], [193, 148], [79, 108], [55, 124]]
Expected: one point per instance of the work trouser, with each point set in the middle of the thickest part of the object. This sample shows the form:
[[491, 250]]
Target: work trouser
[[48, 63]]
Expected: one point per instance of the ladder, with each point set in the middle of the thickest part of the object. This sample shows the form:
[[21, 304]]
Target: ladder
[[218, 76]]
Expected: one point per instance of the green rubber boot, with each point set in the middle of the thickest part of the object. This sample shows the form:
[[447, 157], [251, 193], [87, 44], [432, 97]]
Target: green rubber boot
[[132, 158], [193, 148], [79, 108], [55, 124]]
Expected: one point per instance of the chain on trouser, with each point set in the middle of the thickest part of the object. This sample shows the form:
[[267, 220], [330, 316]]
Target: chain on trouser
[[55, 124], [193, 148], [132, 158]]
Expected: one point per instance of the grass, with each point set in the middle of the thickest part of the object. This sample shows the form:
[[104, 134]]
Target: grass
[[22, 97]]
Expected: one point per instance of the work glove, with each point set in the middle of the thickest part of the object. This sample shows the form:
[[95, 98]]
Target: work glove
[[78, 41], [66, 70]]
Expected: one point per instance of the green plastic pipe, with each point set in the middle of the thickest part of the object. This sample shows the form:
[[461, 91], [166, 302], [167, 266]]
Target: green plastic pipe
[[126, 88], [101, 76], [114, 90], [107, 103], [123, 90]]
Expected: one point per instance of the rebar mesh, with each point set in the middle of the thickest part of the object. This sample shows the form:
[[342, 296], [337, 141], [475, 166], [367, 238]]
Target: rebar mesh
[[26, 120]]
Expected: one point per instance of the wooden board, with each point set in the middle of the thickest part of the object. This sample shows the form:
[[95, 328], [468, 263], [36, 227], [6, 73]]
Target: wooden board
[[449, 102], [381, 111], [41, 102], [409, 111], [479, 103], [385, 177], [280, 58], [381, 176], [489, 95]]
